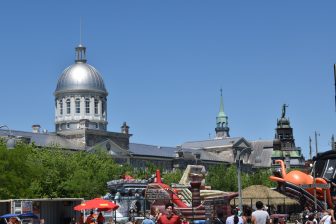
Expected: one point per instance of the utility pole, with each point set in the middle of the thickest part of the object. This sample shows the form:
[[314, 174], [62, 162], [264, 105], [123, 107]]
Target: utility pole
[[314, 173], [238, 162], [310, 149], [335, 83], [316, 143]]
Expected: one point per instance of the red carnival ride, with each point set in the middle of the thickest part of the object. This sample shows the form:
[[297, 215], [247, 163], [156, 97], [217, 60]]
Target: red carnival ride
[[301, 186], [192, 205]]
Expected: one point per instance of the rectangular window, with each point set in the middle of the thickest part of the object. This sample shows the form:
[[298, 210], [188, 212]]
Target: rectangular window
[[96, 106], [61, 107], [68, 106], [103, 108], [87, 106], [77, 106]]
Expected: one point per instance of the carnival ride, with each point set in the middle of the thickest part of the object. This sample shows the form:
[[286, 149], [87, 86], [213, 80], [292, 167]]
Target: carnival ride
[[193, 204], [303, 187], [190, 197]]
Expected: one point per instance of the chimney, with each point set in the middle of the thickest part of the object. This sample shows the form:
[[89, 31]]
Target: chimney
[[124, 128], [36, 128]]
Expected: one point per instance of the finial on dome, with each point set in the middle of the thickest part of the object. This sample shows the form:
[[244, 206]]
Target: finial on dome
[[80, 49], [80, 31]]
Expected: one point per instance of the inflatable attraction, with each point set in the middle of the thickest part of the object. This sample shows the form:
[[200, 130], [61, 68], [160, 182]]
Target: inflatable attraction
[[303, 186]]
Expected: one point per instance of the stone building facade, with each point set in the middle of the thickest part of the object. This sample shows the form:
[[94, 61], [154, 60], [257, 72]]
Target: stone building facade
[[81, 125]]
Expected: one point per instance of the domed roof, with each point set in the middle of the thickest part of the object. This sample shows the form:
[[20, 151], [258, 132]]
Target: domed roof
[[80, 77], [283, 123]]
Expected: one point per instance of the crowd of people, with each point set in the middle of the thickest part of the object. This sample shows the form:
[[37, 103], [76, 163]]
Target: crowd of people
[[169, 216], [91, 219], [324, 217], [258, 216]]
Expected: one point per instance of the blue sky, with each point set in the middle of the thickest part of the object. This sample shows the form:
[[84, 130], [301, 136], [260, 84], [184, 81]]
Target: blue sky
[[163, 63]]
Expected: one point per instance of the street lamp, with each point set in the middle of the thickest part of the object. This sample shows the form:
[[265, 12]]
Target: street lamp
[[239, 154], [10, 137]]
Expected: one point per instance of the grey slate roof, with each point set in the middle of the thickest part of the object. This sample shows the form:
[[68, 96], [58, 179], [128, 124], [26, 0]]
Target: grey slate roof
[[152, 150], [205, 155], [261, 155], [43, 139], [170, 152], [210, 143]]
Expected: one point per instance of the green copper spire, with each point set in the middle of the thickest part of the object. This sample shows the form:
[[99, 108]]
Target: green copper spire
[[222, 129], [221, 113]]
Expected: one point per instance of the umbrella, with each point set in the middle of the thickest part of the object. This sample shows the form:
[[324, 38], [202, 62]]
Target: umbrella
[[21, 216], [81, 206], [98, 203], [28, 215], [6, 216]]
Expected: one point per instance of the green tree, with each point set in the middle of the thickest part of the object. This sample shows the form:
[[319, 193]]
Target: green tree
[[224, 177], [27, 171], [172, 177]]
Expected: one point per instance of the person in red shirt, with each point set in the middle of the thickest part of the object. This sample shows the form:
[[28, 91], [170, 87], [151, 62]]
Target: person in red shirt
[[90, 219], [81, 218], [100, 218], [169, 217]]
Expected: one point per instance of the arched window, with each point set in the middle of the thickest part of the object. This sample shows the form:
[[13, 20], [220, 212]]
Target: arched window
[[87, 105], [61, 107], [96, 106], [77, 106], [68, 106]]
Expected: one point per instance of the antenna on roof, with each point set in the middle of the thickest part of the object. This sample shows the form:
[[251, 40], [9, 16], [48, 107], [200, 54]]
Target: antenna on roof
[[335, 83], [80, 30], [310, 148]]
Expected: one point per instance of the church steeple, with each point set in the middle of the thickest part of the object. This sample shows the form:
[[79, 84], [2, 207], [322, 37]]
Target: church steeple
[[222, 129]]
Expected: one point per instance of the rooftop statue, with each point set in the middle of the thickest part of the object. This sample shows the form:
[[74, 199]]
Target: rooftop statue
[[284, 110]]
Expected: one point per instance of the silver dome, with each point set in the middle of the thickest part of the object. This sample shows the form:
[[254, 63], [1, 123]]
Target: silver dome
[[80, 77]]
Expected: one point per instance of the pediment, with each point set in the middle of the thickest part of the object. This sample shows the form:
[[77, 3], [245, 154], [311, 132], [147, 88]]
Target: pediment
[[241, 144], [111, 148]]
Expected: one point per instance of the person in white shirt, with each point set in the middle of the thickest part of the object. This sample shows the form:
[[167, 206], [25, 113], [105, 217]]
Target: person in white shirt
[[260, 216], [328, 217], [234, 218]]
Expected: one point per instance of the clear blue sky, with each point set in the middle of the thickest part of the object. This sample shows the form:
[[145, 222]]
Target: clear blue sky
[[163, 63]]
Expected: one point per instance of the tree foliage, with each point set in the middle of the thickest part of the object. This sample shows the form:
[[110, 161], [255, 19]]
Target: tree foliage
[[31, 172], [28, 172], [224, 177], [172, 177]]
